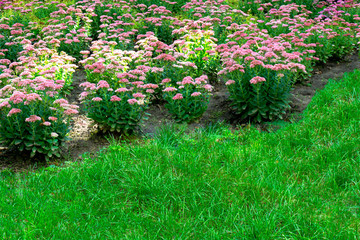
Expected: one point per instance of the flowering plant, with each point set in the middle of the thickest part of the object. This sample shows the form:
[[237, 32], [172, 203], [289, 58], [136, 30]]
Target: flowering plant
[[44, 10], [38, 61], [68, 31], [34, 116], [120, 30], [12, 31], [260, 74], [198, 47], [173, 6], [106, 62], [4, 72], [159, 21], [116, 107], [109, 18], [34, 120], [163, 68], [343, 40], [188, 99]]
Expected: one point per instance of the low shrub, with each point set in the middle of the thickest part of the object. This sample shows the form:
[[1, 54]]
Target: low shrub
[[105, 61], [39, 61], [34, 120], [116, 107], [188, 99], [43, 11], [68, 30], [259, 72], [198, 47], [34, 116], [13, 30]]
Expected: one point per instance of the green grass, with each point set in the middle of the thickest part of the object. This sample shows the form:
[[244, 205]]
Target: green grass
[[300, 182]]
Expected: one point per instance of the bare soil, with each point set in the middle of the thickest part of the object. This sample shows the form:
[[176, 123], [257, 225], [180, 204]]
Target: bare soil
[[86, 138]]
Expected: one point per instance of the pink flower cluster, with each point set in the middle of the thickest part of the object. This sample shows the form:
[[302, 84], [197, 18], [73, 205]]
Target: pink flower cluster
[[188, 87], [257, 79], [33, 118]]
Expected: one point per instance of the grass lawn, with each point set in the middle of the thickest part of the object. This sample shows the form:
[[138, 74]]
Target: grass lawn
[[300, 182]]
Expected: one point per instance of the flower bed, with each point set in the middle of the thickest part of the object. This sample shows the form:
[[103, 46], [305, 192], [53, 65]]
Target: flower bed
[[138, 52]]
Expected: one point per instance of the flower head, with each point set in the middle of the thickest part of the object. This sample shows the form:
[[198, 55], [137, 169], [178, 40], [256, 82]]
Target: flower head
[[54, 135], [138, 95], [46, 123], [52, 118], [33, 118], [169, 89], [178, 96], [195, 94], [257, 79], [229, 82], [132, 101], [115, 99], [13, 111], [97, 99]]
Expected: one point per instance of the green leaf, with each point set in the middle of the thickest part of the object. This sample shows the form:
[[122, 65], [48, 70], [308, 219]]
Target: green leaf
[[17, 141], [252, 112], [33, 152], [57, 154], [29, 144], [53, 148]]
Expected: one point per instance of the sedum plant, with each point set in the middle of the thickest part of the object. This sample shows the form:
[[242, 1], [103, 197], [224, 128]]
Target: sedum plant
[[34, 120], [260, 73], [198, 47], [105, 61], [188, 99], [114, 107], [34, 116], [13, 31]]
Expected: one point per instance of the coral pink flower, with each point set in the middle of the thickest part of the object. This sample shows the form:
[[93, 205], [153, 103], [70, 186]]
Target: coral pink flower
[[166, 80], [47, 123], [187, 80], [229, 82], [195, 94], [61, 101], [169, 89], [5, 104], [83, 95], [208, 87], [102, 84], [132, 101], [13, 111], [52, 118], [115, 99], [33, 118], [257, 79], [166, 57], [70, 111], [17, 97], [97, 99], [33, 97], [178, 96], [121, 90], [138, 95]]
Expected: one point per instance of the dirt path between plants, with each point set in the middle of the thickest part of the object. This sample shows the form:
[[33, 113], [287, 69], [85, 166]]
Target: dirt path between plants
[[86, 139]]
